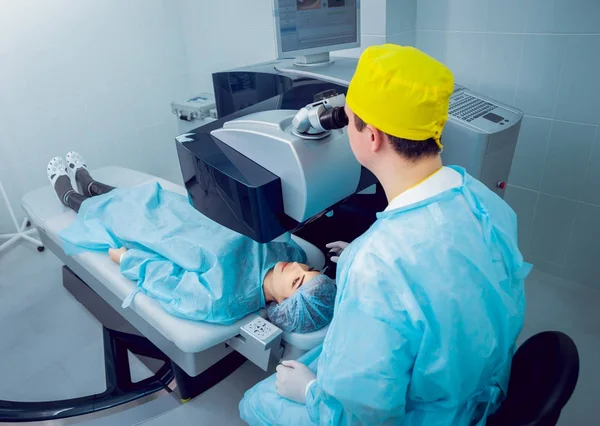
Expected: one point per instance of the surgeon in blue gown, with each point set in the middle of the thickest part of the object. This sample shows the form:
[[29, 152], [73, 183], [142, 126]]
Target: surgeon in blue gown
[[430, 299]]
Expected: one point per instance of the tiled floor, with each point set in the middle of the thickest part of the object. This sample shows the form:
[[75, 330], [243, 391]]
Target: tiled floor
[[51, 347], [218, 406], [556, 304]]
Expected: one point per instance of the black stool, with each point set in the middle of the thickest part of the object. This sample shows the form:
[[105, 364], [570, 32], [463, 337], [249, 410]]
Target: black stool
[[543, 377]]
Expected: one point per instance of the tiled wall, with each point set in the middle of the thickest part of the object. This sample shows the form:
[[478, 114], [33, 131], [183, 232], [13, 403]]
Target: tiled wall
[[386, 21], [95, 76], [542, 56], [401, 22]]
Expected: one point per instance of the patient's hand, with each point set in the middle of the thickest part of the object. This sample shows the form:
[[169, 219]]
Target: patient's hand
[[115, 254]]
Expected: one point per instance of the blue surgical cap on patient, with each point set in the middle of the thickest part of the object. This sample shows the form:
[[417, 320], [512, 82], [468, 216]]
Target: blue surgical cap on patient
[[308, 310]]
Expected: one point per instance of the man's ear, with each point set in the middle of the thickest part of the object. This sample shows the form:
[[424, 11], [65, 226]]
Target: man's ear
[[377, 138]]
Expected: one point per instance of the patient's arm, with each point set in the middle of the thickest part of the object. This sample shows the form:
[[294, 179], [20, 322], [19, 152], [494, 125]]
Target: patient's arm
[[115, 254]]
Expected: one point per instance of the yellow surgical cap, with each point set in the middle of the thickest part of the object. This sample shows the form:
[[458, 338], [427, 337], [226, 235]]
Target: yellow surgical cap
[[402, 92]]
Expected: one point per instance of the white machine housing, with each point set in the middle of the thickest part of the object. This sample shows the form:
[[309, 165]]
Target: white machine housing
[[305, 167], [481, 135]]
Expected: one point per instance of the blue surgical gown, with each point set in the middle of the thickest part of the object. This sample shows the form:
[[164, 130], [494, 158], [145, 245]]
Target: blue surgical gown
[[430, 304], [195, 268]]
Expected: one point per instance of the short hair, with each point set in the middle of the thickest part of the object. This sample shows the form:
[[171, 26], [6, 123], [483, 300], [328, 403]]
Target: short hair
[[409, 149]]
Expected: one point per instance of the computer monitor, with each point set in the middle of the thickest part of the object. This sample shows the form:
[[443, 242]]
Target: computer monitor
[[309, 29]]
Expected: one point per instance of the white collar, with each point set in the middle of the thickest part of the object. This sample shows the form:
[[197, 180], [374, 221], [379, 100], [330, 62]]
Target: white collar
[[439, 182]]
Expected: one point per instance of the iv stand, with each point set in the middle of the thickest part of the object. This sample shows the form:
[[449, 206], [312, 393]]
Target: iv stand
[[22, 232]]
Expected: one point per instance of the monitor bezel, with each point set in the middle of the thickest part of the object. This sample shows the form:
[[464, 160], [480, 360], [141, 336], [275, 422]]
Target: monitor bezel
[[314, 50]]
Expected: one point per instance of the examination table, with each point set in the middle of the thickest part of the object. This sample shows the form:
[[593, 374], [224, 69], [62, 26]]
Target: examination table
[[200, 354]]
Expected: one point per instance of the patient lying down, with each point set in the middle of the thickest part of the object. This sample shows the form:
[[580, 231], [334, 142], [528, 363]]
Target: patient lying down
[[195, 268]]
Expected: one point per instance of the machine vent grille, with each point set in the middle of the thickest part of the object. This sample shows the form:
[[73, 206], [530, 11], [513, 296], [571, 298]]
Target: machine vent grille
[[468, 108]]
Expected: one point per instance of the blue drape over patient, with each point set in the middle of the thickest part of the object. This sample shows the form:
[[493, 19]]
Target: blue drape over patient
[[196, 268]]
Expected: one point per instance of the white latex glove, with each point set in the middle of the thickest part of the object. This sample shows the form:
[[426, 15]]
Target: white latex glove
[[293, 379], [337, 248]]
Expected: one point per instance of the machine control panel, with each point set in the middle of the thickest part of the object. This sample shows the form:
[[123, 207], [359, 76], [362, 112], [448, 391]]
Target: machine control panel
[[484, 114], [469, 108], [259, 341], [261, 329]]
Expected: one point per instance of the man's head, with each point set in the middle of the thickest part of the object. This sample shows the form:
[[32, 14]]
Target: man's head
[[397, 104], [369, 144]]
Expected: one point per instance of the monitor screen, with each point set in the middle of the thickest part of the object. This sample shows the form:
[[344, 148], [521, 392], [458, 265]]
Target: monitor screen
[[312, 24]]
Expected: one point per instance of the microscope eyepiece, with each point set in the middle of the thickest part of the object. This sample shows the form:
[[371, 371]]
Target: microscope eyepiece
[[316, 120], [334, 118]]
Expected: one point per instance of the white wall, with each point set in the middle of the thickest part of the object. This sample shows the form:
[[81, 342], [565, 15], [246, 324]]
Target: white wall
[[225, 34], [242, 32], [94, 76], [97, 76]]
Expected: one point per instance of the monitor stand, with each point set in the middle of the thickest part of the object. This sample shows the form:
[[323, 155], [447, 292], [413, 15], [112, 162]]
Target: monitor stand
[[316, 60], [339, 71]]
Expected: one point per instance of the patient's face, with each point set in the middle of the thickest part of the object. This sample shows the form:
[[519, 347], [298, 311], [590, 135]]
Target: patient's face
[[288, 277]]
